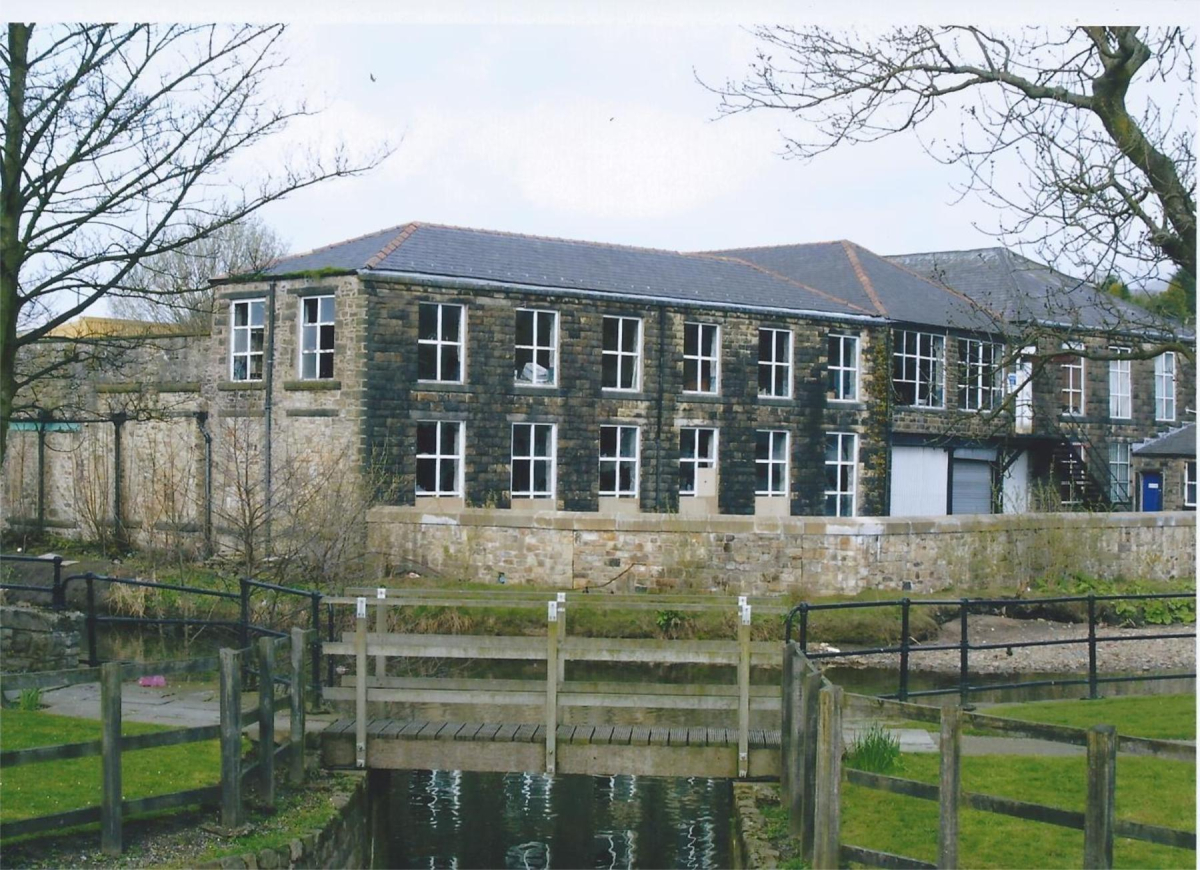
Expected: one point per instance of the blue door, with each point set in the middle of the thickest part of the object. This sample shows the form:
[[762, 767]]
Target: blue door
[[1151, 491]]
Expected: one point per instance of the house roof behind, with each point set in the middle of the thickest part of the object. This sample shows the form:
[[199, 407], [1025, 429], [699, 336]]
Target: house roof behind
[[1177, 442], [1023, 290], [456, 252]]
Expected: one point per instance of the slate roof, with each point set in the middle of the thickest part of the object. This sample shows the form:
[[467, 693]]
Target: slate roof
[[865, 278], [457, 252], [1022, 290], [1177, 442]]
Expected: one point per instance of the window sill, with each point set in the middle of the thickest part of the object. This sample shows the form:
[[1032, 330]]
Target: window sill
[[314, 385], [776, 400], [522, 388], [711, 398], [846, 404], [240, 386], [441, 387], [941, 409]]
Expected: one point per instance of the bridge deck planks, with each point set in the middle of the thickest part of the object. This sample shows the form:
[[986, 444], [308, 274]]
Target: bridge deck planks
[[615, 735]]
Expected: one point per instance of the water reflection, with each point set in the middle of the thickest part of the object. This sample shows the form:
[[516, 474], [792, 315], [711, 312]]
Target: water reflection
[[530, 820]]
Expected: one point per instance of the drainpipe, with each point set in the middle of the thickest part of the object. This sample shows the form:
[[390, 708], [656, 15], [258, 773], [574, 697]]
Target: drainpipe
[[201, 422], [658, 436], [41, 464], [269, 385]]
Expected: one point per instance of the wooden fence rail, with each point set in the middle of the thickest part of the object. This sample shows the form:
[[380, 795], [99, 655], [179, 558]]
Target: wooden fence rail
[[815, 819], [113, 807]]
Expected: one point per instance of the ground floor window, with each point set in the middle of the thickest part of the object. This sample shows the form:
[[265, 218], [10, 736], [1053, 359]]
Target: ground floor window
[[1189, 485], [439, 458], [771, 462], [532, 460], [1118, 473], [1072, 474], [619, 461], [841, 460], [697, 451]]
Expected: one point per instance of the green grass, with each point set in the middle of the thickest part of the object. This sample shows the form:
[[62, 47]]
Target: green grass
[[57, 786], [1167, 717], [1148, 790]]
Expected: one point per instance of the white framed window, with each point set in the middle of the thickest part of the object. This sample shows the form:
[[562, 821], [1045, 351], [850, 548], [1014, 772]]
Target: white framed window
[[247, 337], [622, 354], [1189, 484], [1118, 472], [1164, 387], [841, 474], [697, 452], [1072, 373], [536, 348], [843, 368], [619, 461], [440, 342], [701, 358], [316, 337], [1120, 385], [533, 460], [919, 368], [1072, 474], [771, 462], [980, 375], [439, 458], [775, 363]]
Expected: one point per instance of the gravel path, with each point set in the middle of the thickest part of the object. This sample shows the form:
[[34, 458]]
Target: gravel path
[[1132, 656]]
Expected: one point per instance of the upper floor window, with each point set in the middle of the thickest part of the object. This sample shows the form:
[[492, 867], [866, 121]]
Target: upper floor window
[[843, 368], [440, 342], [439, 458], [622, 357], [1120, 386], [1189, 484], [1164, 387], [980, 376], [701, 357], [1118, 472], [841, 461], [536, 347], [619, 461], [316, 337], [771, 462], [697, 455], [1072, 381], [918, 368], [533, 460], [775, 363], [248, 335]]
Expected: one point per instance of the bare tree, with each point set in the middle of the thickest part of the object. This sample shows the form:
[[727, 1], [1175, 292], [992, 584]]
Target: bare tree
[[174, 285], [1100, 118], [117, 149]]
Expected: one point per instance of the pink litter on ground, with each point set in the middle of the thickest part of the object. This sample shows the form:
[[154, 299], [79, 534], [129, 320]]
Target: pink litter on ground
[[155, 682]]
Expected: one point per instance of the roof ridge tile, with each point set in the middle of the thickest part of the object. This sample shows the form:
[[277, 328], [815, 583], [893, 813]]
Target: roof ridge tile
[[863, 279], [400, 239], [764, 270]]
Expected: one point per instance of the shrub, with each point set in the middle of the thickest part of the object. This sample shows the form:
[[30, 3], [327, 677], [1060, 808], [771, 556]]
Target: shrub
[[876, 750], [31, 699]]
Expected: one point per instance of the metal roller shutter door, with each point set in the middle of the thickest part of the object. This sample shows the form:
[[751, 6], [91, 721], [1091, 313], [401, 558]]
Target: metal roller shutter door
[[971, 491]]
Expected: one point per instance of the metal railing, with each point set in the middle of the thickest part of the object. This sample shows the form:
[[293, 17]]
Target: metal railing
[[906, 648]]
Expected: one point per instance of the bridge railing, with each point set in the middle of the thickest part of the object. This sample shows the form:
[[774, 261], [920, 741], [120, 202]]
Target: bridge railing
[[554, 693]]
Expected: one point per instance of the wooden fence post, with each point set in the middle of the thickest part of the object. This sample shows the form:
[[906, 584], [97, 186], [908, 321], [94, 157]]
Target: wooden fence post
[[110, 750], [827, 817], [266, 719], [232, 811], [561, 597], [789, 701], [296, 726], [802, 822], [950, 788], [381, 627], [743, 687], [552, 662], [1101, 793], [360, 684]]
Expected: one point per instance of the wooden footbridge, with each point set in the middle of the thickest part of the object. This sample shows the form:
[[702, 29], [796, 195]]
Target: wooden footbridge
[[553, 724]]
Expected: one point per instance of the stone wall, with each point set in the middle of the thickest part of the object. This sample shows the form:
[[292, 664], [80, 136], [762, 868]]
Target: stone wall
[[758, 555], [33, 639]]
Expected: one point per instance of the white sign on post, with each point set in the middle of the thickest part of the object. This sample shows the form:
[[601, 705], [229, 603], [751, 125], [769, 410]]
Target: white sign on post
[[552, 611], [561, 599], [745, 614], [360, 609], [381, 592]]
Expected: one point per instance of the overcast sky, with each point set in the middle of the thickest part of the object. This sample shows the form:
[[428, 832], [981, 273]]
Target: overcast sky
[[586, 121]]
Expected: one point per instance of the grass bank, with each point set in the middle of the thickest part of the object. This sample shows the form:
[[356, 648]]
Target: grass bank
[[1165, 717], [1148, 790]]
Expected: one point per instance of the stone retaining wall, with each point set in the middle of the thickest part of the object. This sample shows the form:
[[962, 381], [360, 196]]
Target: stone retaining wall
[[33, 639], [762, 555]]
